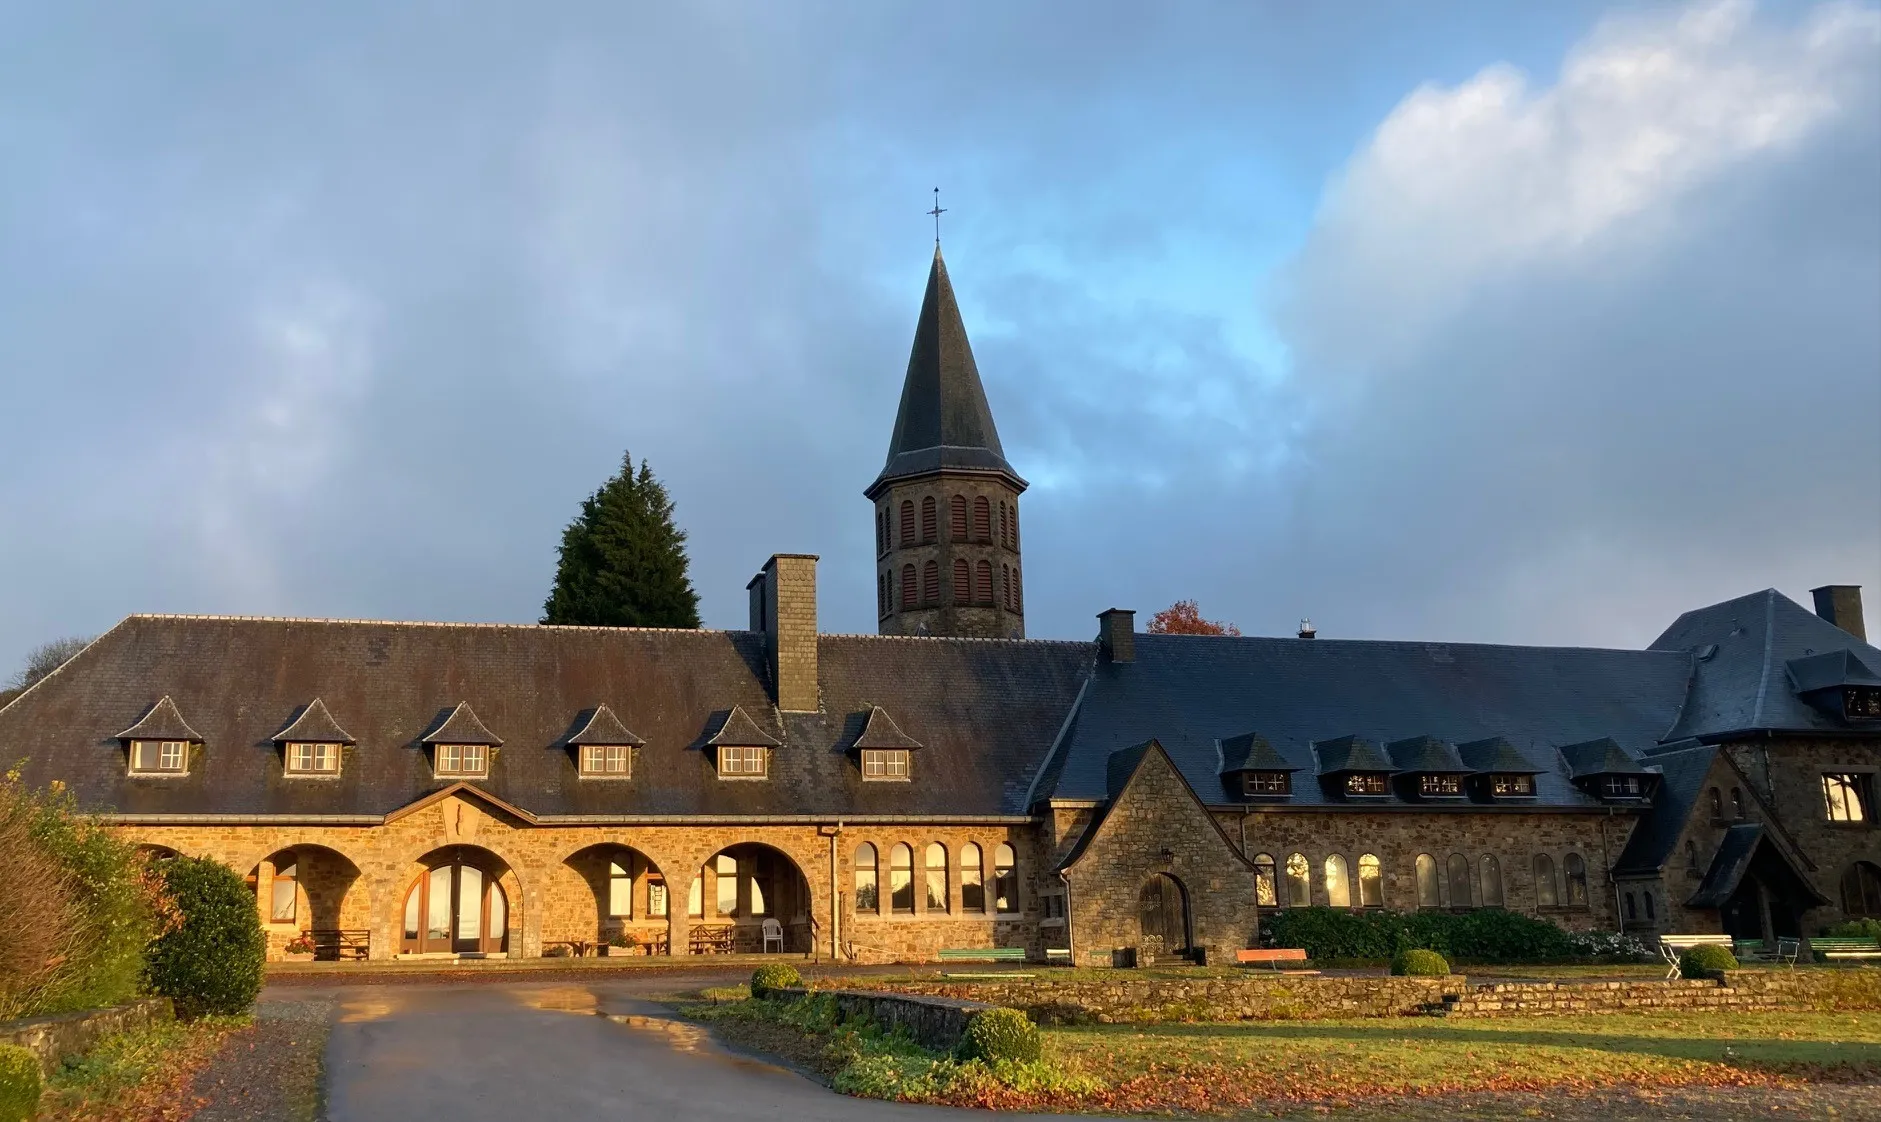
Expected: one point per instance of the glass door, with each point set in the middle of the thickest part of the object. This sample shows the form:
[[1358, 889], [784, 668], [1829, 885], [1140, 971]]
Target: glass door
[[455, 908]]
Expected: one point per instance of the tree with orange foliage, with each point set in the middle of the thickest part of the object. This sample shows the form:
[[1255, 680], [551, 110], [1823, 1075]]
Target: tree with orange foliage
[[1184, 618]]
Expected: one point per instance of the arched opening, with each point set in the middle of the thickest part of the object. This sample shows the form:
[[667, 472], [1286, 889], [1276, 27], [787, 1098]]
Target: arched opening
[[1266, 883], [1429, 889], [631, 904], [1491, 894], [1459, 881], [457, 905], [303, 890], [746, 898], [1163, 913], [1547, 893], [1299, 881], [1371, 881]]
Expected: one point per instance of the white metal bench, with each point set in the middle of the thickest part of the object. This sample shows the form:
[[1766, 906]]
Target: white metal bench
[[1672, 946]]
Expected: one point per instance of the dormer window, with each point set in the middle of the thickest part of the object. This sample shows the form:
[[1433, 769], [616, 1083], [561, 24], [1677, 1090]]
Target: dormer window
[[1267, 784], [465, 761], [613, 761], [1622, 787], [740, 761], [1862, 703], [159, 757], [304, 758], [1512, 786], [1367, 783], [1440, 786], [885, 763]]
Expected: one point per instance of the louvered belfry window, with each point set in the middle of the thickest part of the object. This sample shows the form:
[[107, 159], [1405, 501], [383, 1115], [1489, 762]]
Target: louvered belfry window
[[963, 581], [930, 520], [982, 520], [957, 518], [908, 589], [907, 522], [983, 583], [930, 583]]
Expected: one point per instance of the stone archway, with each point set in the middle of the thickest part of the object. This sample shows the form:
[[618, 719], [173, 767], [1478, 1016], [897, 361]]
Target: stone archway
[[1163, 916], [632, 902], [462, 900], [742, 892], [311, 890]]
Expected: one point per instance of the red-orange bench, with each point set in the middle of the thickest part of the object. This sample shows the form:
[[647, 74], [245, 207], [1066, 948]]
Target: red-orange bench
[[1272, 956]]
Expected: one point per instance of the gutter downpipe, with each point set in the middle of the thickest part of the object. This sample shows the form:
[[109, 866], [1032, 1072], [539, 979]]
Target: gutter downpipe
[[1071, 945]]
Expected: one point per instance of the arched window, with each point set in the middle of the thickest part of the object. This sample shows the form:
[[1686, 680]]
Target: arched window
[[868, 898], [1547, 895], [907, 522], [1459, 881], [1005, 879], [1737, 803], [930, 583], [930, 519], [1018, 591], [620, 891], [982, 519], [1005, 538], [1015, 525], [1632, 909], [901, 878], [1861, 890], [1717, 804], [1299, 881], [1338, 890], [725, 874], [972, 882], [881, 531], [983, 583], [1650, 918], [881, 594], [1429, 884], [936, 877], [909, 592], [1491, 894], [1576, 870], [286, 894], [963, 582], [1371, 882], [1266, 888], [957, 518], [1005, 586]]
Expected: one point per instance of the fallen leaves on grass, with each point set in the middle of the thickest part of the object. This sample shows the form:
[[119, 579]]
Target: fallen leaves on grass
[[140, 1076]]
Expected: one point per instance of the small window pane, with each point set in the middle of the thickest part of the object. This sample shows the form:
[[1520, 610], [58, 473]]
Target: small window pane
[[1439, 786], [1371, 882], [1547, 895], [1459, 881], [866, 887], [936, 877], [1512, 786], [725, 867], [901, 878], [1576, 870], [1366, 783], [1299, 881], [620, 891], [972, 886], [1429, 888], [1338, 892], [1492, 881], [1005, 879], [285, 896], [1266, 888]]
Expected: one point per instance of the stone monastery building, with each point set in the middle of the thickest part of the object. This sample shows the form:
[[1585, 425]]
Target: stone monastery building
[[444, 789]]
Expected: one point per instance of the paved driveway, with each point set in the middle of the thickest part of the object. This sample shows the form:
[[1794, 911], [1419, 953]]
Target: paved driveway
[[565, 1051]]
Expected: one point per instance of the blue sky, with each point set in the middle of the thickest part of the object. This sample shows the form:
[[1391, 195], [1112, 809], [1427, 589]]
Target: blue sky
[[1520, 323]]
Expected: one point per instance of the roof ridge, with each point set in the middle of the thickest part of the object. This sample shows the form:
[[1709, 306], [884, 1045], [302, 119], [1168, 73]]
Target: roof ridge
[[428, 623], [1426, 643], [955, 638], [1769, 638]]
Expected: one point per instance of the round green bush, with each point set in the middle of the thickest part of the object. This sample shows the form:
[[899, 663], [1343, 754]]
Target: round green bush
[[1706, 961], [211, 963], [774, 976], [19, 1084], [1415, 963], [1001, 1034]]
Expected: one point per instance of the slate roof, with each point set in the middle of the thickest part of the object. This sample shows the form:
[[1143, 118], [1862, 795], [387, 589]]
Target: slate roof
[[602, 727], [1251, 752], [1682, 772], [1495, 755], [944, 421], [879, 730], [738, 729], [161, 721], [1829, 670], [986, 710], [461, 726], [1601, 756], [1425, 755], [314, 724], [1743, 845], [1188, 692], [1742, 648]]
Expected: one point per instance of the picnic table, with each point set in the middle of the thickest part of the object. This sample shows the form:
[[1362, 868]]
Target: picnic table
[[716, 939]]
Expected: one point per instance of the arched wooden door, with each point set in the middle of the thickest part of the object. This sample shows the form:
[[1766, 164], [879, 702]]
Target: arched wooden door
[[455, 908], [1163, 912]]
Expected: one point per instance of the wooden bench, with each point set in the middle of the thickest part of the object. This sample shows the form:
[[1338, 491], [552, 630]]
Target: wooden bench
[[983, 954], [1058, 955], [1272, 956], [1672, 946], [1785, 950], [332, 945], [1836, 948]]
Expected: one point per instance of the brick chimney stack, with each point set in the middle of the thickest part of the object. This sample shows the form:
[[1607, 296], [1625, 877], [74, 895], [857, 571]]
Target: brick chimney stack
[[783, 609], [1116, 635], [1840, 604]]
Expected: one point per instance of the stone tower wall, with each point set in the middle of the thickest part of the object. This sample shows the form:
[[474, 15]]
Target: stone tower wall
[[950, 614]]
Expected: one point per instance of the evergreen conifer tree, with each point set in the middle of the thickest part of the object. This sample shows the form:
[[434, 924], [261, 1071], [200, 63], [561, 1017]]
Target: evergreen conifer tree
[[623, 560]]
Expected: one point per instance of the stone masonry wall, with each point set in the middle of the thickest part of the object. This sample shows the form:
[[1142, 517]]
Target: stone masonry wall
[[1788, 774], [946, 618], [50, 1039]]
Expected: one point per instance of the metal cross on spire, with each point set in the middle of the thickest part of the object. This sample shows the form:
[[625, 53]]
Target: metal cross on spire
[[937, 212]]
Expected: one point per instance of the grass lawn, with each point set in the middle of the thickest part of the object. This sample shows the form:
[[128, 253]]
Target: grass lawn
[[142, 1074]]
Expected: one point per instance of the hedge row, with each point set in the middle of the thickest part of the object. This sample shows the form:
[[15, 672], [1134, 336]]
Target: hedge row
[[1484, 935]]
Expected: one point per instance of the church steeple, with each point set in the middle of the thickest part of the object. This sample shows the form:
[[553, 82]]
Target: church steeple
[[946, 501]]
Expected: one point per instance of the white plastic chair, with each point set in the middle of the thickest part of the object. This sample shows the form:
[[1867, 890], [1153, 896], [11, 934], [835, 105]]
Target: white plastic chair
[[773, 933]]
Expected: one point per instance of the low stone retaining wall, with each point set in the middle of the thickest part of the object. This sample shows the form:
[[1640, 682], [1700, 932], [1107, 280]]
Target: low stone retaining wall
[[1255, 997], [1737, 990], [934, 1022], [53, 1038]]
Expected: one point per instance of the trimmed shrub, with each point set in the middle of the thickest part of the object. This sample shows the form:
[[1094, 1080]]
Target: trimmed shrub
[[19, 1084], [1000, 1034], [1864, 928], [774, 976], [211, 963], [1417, 963], [1706, 961], [1484, 935]]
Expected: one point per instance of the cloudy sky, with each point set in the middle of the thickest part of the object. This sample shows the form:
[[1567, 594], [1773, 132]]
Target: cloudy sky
[[1509, 322]]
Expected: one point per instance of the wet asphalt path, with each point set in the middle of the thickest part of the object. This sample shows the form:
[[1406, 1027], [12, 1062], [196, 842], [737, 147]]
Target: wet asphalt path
[[567, 1051]]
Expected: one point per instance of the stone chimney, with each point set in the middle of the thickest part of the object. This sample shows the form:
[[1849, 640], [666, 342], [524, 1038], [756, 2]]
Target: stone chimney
[[1116, 635], [783, 610], [1840, 604]]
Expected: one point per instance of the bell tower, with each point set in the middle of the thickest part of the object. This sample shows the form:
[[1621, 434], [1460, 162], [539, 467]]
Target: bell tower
[[946, 502]]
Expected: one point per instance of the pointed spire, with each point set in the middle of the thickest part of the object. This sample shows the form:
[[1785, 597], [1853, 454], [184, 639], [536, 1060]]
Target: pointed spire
[[944, 421]]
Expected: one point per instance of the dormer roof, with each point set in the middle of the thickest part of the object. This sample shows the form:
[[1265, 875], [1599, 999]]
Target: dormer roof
[[1830, 670], [738, 730], [461, 726], [161, 721], [313, 724], [1351, 753], [880, 731], [1600, 757], [602, 727], [1425, 755], [1252, 752], [1496, 755]]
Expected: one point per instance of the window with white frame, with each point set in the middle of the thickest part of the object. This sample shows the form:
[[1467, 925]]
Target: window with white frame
[[313, 759], [462, 759], [745, 762], [613, 761], [159, 757], [884, 763]]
